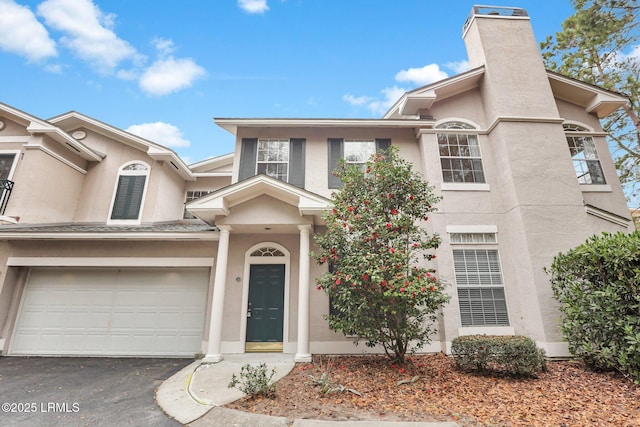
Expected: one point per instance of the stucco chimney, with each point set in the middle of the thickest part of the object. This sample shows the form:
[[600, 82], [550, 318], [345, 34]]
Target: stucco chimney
[[515, 81]]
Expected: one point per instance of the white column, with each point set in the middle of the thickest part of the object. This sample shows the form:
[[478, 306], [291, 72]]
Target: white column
[[214, 355], [303, 354]]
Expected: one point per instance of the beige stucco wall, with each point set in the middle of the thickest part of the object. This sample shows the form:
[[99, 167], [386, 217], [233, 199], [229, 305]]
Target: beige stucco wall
[[316, 155], [45, 190], [11, 128], [165, 189]]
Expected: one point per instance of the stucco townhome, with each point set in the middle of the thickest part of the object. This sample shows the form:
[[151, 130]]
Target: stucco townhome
[[110, 245]]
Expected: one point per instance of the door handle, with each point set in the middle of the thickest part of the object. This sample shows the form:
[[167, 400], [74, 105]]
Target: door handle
[[249, 310]]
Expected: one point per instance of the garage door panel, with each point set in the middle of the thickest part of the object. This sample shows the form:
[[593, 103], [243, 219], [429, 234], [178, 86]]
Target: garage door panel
[[113, 312]]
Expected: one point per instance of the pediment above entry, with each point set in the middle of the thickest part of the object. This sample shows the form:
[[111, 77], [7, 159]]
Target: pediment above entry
[[261, 201]]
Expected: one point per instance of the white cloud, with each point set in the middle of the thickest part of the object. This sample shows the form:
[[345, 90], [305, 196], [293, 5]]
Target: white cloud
[[253, 6], [356, 100], [391, 95], [170, 75], [88, 32], [418, 76], [161, 133], [377, 106], [422, 76], [164, 46], [458, 66], [23, 34]]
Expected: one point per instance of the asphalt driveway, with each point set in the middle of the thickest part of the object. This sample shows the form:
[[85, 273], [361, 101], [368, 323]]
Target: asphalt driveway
[[66, 391]]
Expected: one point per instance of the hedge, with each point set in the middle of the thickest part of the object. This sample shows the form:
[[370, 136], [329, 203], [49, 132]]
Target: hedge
[[598, 287], [511, 354]]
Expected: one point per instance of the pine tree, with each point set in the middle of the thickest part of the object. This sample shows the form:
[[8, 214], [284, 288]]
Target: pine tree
[[597, 45]]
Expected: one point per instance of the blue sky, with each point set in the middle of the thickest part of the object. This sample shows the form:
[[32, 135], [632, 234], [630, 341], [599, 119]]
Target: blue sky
[[164, 68]]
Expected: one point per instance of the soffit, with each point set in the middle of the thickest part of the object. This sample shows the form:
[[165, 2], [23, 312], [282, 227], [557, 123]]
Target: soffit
[[592, 98]]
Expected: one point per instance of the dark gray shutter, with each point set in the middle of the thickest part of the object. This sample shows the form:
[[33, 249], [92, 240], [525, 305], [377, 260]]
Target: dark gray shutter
[[383, 144], [335, 148], [296, 161], [128, 197], [248, 158]]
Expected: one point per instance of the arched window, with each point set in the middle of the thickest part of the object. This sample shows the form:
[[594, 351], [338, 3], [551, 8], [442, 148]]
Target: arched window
[[460, 157], [584, 155], [129, 192], [267, 251]]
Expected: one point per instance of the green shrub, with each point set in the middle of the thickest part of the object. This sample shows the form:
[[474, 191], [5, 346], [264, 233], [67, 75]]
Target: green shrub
[[254, 380], [598, 287], [515, 355]]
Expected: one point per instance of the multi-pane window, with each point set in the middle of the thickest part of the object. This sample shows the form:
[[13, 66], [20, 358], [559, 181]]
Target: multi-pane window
[[460, 157], [584, 155], [127, 203], [273, 158], [480, 287], [191, 196], [359, 151]]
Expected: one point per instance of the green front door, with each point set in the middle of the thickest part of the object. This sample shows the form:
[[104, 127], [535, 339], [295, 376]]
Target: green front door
[[266, 307]]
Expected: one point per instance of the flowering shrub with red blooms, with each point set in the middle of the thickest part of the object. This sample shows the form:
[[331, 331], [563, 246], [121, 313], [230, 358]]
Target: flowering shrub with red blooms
[[381, 287]]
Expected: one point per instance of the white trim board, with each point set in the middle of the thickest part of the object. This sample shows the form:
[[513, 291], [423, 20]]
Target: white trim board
[[108, 262]]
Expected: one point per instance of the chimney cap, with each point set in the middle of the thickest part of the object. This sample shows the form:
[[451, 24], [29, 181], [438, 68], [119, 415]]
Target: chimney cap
[[497, 11]]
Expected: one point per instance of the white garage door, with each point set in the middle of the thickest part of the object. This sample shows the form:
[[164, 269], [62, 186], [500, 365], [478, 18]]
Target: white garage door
[[112, 312]]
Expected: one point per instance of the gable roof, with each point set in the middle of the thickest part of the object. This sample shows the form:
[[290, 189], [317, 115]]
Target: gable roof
[[214, 166], [220, 202], [593, 99], [34, 125], [411, 102], [74, 120]]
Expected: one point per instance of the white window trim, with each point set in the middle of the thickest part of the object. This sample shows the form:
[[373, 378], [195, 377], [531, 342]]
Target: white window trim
[[472, 229], [146, 173], [346, 141], [441, 122], [464, 186], [595, 188], [16, 154], [488, 329], [248, 260], [587, 132], [258, 162]]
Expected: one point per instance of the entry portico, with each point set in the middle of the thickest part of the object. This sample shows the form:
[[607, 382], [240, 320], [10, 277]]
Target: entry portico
[[266, 210]]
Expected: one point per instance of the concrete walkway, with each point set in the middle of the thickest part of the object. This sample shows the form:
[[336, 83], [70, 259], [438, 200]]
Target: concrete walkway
[[195, 394]]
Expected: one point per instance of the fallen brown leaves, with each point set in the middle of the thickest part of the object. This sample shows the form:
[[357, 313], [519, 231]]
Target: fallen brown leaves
[[431, 389]]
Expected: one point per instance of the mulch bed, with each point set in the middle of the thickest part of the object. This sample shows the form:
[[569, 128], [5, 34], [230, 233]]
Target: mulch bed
[[430, 388]]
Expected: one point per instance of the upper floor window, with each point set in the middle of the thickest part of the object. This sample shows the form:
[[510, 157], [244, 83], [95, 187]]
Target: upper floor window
[[584, 155], [358, 151], [280, 158], [273, 158], [353, 151], [460, 157], [129, 192]]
